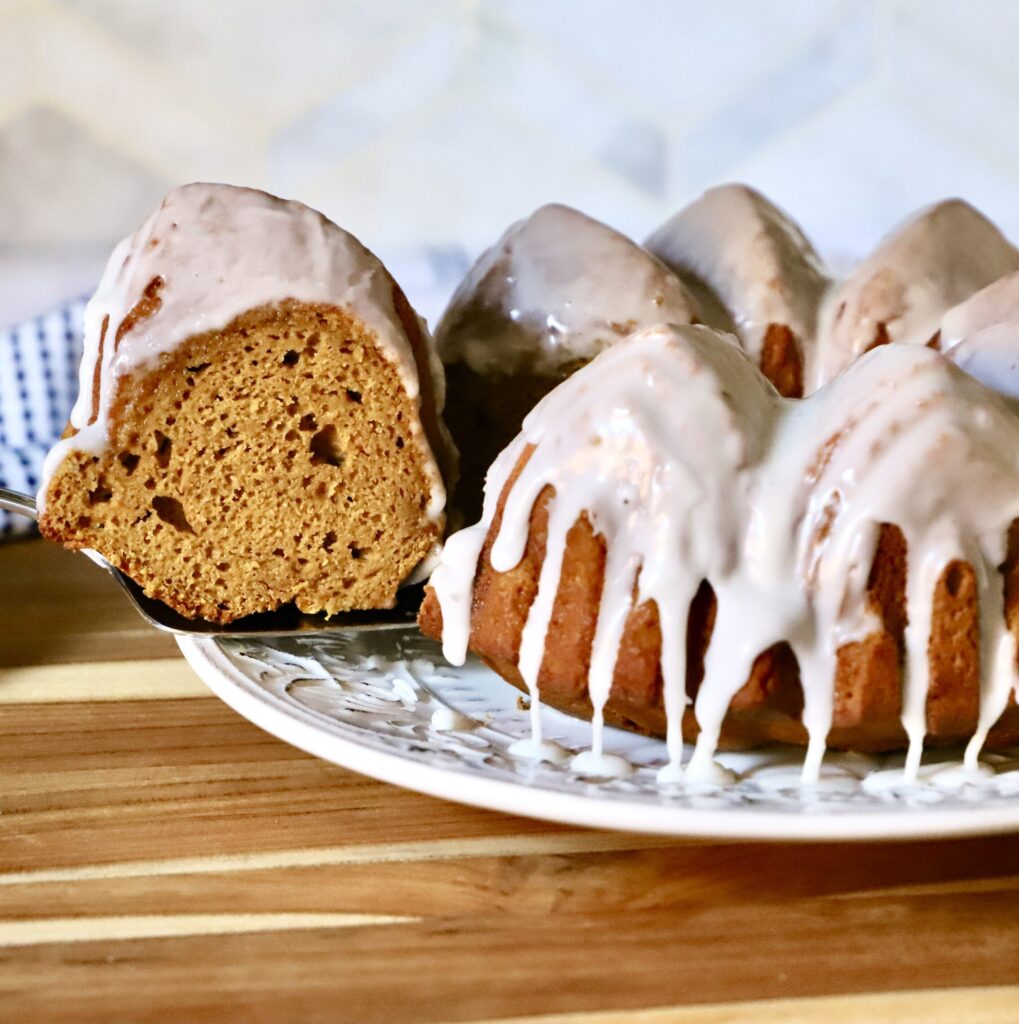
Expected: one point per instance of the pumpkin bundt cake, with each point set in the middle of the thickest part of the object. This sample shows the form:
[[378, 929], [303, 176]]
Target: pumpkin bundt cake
[[555, 290], [668, 529], [676, 545], [258, 417]]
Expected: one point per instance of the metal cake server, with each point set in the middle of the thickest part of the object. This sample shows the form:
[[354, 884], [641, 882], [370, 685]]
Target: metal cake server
[[283, 622]]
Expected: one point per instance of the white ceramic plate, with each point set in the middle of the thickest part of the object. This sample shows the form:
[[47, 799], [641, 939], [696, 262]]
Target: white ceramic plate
[[386, 705]]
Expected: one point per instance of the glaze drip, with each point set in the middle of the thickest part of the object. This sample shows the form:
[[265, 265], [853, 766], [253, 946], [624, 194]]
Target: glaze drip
[[690, 466], [992, 357], [996, 304]]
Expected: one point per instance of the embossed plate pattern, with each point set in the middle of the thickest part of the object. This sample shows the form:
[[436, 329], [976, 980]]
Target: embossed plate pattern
[[386, 705]]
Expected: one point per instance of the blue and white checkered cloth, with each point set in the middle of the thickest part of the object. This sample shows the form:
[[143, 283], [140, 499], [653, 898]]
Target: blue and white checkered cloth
[[38, 386]]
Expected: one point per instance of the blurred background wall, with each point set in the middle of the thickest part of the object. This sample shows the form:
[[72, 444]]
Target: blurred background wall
[[426, 126]]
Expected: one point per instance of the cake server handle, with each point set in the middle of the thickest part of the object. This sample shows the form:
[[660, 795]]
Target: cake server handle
[[18, 503]]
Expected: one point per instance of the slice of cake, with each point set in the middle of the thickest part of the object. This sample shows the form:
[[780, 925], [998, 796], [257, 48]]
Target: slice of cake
[[258, 416]]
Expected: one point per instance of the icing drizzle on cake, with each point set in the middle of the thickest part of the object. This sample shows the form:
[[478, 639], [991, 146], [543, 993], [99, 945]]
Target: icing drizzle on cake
[[749, 265], [691, 467], [936, 259], [559, 287], [554, 290]]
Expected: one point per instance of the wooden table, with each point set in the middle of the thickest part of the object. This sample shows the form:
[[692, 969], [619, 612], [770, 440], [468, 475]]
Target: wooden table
[[164, 860]]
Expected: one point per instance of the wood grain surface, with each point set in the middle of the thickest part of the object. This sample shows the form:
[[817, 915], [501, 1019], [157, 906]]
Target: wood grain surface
[[161, 859]]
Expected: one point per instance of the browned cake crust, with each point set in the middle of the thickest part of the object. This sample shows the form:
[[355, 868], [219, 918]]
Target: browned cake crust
[[268, 462], [781, 361], [868, 683]]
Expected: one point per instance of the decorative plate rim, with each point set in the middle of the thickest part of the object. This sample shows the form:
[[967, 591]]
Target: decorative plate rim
[[299, 728]]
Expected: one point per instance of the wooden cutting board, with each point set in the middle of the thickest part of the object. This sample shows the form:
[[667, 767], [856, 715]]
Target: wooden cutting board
[[163, 860]]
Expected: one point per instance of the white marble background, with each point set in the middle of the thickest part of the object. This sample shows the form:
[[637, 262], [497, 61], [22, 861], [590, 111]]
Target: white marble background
[[426, 126]]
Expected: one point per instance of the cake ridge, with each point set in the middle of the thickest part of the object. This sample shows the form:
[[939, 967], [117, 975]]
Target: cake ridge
[[535, 290], [739, 247]]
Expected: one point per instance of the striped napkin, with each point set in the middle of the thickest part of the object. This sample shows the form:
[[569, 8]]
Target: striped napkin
[[38, 386]]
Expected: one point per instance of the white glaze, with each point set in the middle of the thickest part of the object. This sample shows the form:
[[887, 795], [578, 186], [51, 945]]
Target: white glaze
[[948, 777], [691, 467], [670, 774], [992, 356], [756, 264], [601, 765], [708, 773], [556, 289], [220, 252], [446, 719], [535, 749], [981, 335], [789, 777], [932, 262], [958, 776]]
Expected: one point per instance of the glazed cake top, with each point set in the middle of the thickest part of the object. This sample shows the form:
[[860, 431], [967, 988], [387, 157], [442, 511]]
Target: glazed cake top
[[689, 465], [559, 287], [748, 264], [555, 290], [935, 260], [209, 253]]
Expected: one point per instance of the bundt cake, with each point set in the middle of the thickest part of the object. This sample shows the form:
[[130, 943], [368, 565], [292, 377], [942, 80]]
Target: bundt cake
[[887, 586], [555, 290], [753, 272], [259, 415], [671, 546]]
